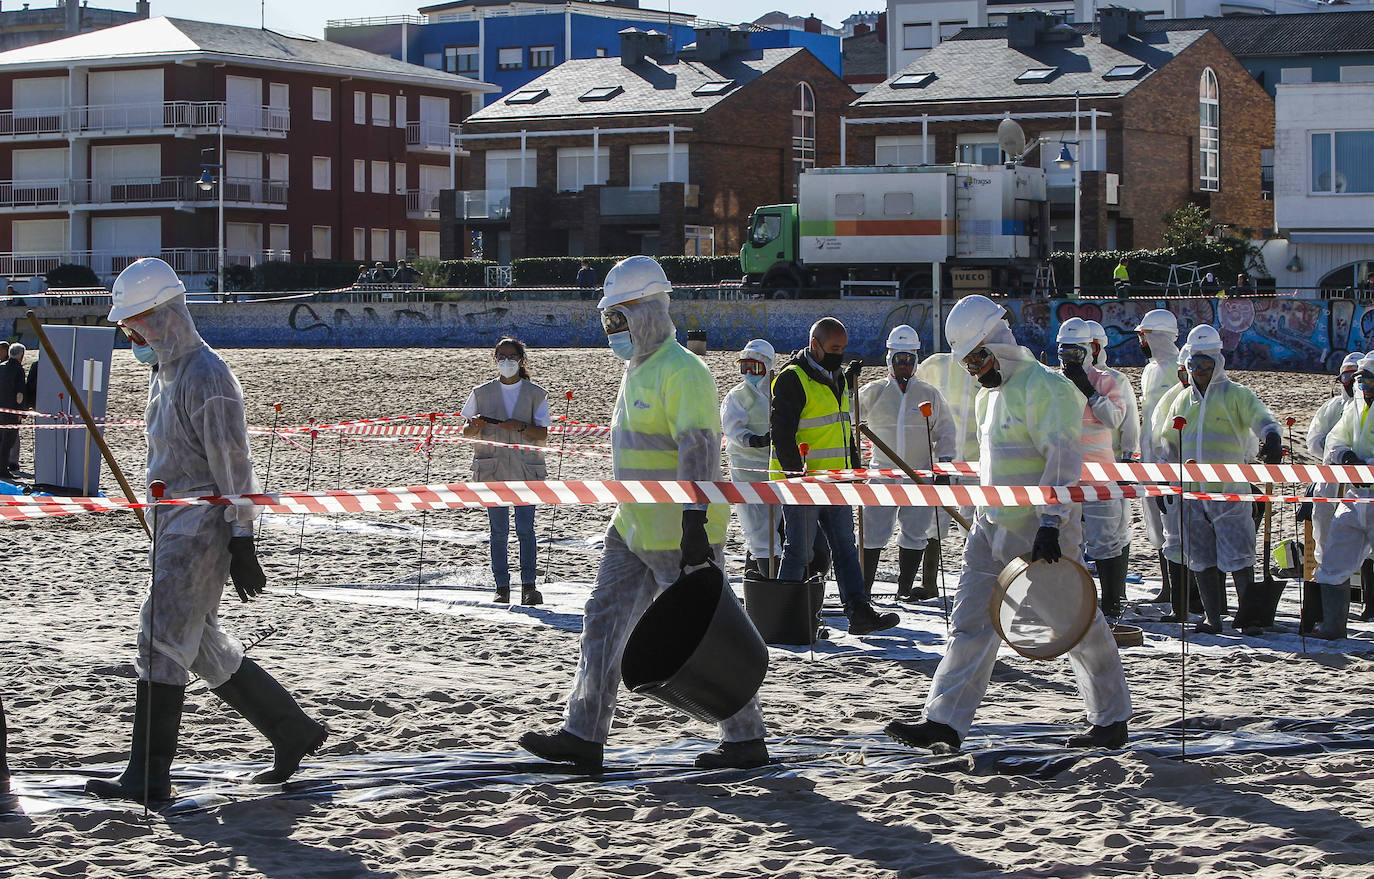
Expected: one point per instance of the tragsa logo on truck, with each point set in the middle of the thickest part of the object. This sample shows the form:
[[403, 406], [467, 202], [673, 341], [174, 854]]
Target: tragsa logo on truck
[[828, 244]]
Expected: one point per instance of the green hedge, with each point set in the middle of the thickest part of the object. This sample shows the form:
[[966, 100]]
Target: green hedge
[[69, 276], [1150, 265], [455, 272], [315, 275]]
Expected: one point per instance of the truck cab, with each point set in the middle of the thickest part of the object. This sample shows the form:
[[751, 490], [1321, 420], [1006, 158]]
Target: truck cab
[[769, 257]]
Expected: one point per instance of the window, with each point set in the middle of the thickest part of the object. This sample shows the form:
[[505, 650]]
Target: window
[[803, 133], [509, 59], [1037, 74], [398, 171], [360, 175], [718, 87], [603, 93], [916, 35], [528, 96], [279, 241], [698, 240], [400, 244], [434, 60], [913, 80], [767, 227], [1091, 154], [360, 108], [1126, 71], [359, 244], [381, 241], [899, 204], [950, 28], [400, 111], [849, 204], [1342, 162], [578, 168], [1209, 132], [601, 51], [321, 242], [1295, 75], [1267, 173], [320, 177], [504, 172], [541, 57], [649, 165], [903, 149], [381, 109], [381, 177], [1357, 73], [321, 104], [429, 244], [461, 60], [976, 151], [278, 168]]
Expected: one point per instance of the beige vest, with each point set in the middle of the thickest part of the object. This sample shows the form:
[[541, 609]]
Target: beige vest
[[501, 464]]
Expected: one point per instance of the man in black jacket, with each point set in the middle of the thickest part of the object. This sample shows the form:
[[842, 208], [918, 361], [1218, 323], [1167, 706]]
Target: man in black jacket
[[13, 395], [811, 398]]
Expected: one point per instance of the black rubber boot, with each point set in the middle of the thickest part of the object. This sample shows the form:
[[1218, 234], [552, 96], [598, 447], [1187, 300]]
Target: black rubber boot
[[1245, 583], [927, 734], [1211, 584], [1335, 611], [1311, 606], [272, 711], [152, 747], [562, 746], [1180, 586], [734, 755], [1367, 584], [530, 595], [930, 570], [870, 560], [502, 595], [1109, 737], [1165, 593], [908, 565], [1111, 573], [4, 752]]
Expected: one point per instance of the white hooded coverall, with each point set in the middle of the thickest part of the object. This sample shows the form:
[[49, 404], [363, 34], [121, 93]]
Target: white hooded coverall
[[1029, 430], [744, 413], [673, 396], [1349, 536], [1317, 432], [960, 390], [1104, 531], [1158, 377], [895, 416], [197, 445]]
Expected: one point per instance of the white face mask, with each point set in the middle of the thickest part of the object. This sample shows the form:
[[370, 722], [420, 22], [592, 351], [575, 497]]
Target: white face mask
[[508, 368]]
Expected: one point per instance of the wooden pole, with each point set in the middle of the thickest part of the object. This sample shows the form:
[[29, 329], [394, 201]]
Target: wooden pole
[[892, 456]]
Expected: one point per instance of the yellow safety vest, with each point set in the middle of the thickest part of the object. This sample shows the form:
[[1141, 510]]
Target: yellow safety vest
[[823, 425]]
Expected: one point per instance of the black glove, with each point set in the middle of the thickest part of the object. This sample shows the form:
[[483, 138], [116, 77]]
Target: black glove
[[244, 570], [1046, 545], [1349, 457], [942, 478], [696, 546], [851, 372], [1075, 373], [1305, 511], [759, 440], [1272, 450]]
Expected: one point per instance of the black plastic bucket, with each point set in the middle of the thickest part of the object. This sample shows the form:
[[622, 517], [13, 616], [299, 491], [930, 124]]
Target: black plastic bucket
[[695, 649], [696, 342], [785, 611]]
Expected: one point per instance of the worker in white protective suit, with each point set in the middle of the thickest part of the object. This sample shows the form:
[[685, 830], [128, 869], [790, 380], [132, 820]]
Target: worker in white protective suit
[[665, 426], [744, 423], [197, 445], [1125, 442], [892, 407], [1223, 421], [1029, 426], [960, 390], [1350, 535], [1317, 432], [1171, 511], [1158, 335], [1105, 538]]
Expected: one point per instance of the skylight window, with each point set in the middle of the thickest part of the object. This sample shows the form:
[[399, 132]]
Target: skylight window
[[913, 80], [528, 96], [1038, 74], [1126, 71], [602, 93], [718, 87]]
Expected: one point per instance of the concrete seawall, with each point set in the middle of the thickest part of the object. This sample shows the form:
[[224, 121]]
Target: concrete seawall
[[1261, 333]]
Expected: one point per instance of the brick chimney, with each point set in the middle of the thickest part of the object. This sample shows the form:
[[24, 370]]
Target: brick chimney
[[882, 27], [812, 25], [632, 46], [860, 29], [712, 43], [1116, 23]]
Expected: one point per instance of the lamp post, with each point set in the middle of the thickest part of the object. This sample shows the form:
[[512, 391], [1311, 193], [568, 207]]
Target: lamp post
[[206, 183], [1066, 161]]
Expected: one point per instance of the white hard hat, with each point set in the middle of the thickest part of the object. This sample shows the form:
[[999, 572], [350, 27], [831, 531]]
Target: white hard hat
[[1204, 338], [1098, 331], [903, 338], [633, 278], [1160, 320], [1352, 361], [1074, 331], [970, 321], [143, 286], [1367, 362], [760, 350]]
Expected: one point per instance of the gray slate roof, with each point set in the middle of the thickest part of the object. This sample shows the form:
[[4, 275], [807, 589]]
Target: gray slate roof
[[1254, 36], [178, 38], [651, 87], [865, 55], [983, 69]]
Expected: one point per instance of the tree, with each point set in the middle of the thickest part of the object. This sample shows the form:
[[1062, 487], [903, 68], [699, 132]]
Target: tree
[[1186, 225]]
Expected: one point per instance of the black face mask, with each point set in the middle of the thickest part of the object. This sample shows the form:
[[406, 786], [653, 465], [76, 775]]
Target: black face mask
[[831, 362], [1145, 348], [991, 379]]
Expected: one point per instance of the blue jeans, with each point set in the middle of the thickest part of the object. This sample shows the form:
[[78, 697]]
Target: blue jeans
[[799, 527], [499, 517]]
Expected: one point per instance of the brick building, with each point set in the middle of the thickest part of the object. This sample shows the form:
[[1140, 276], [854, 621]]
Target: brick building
[[654, 151], [1167, 117], [330, 152]]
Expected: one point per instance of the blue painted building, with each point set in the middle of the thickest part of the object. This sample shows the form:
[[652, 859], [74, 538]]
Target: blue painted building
[[509, 43]]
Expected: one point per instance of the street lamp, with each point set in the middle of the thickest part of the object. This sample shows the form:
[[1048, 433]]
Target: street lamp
[[1066, 161], [208, 182]]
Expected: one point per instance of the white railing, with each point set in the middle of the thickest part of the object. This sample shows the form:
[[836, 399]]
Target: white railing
[[427, 135], [91, 119], [34, 193], [133, 190], [252, 258], [375, 21], [422, 203], [191, 260], [484, 204]]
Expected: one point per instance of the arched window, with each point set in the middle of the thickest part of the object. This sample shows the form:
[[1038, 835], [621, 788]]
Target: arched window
[[1209, 131], [803, 133]]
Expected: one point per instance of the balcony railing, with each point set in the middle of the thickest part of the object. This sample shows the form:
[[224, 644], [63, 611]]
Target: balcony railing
[[189, 260], [426, 135], [35, 193], [114, 119], [484, 204], [422, 203], [620, 201], [138, 190]]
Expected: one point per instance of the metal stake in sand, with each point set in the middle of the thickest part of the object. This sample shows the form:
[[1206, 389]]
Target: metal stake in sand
[[1184, 591], [811, 612], [424, 514], [309, 484], [553, 515], [267, 480], [926, 411], [156, 490]]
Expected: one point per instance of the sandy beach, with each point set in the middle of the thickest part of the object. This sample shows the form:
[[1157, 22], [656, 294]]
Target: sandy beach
[[421, 777]]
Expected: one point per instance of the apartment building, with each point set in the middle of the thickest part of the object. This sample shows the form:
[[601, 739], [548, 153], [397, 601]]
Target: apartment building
[[111, 145]]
